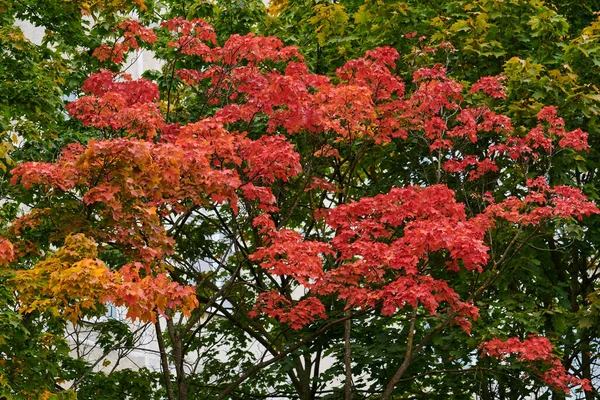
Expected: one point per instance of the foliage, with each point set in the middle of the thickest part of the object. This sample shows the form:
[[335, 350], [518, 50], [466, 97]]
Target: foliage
[[363, 228]]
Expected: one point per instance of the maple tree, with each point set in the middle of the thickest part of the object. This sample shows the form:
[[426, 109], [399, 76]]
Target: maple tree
[[322, 203], [546, 50]]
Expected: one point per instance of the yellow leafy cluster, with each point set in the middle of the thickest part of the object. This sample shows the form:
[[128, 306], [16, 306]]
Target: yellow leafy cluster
[[91, 6], [70, 282], [73, 281]]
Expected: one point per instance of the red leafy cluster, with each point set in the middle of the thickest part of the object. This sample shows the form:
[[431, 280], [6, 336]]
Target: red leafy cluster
[[270, 158], [61, 175], [369, 100], [127, 105], [577, 139], [277, 306], [288, 254], [192, 37], [430, 109], [435, 92], [536, 352], [198, 38], [549, 128], [543, 202], [297, 100], [491, 86], [252, 50], [481, 167], [7, 253], [132, 182], [377, 268], [432, 221], [254, 163], [131, 32], [144, 296], [534, 348], [380, 268], [374, 71], [474, 120]]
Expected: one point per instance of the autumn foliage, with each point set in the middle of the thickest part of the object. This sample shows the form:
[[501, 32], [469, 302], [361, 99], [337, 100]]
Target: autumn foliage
[[132, 188], [536, 352]]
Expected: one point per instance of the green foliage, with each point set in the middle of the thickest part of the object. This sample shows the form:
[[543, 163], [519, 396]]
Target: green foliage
[[140, 384]]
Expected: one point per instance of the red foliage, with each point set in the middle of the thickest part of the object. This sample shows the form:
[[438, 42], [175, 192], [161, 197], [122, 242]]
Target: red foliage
[[276, 306], [126, 105], [491, 85], [270, 158], [192, 37], [144, 296], [543, 202], [550, 127], [481, 167], [535, 352], [7, 253], [368, 251], [288, 254], [131, 33]]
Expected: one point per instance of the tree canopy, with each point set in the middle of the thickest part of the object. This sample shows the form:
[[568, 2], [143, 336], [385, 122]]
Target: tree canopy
[[310, 200]]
